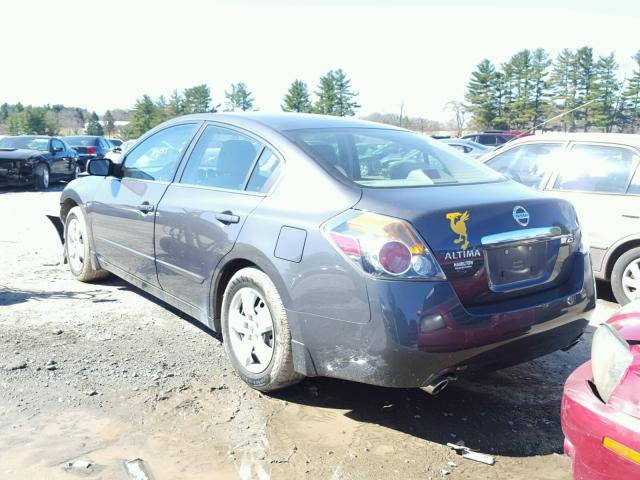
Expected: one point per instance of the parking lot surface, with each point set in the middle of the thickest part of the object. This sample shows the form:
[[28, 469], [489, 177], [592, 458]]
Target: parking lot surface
[[102, 373]]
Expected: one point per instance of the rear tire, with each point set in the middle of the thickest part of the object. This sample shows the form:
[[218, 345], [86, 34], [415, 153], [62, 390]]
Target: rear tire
[[625, 277], [77, 248], [42, 176], [256, 332]]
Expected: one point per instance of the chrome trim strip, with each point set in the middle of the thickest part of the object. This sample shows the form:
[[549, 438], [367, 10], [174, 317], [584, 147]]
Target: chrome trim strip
[[521, 236]]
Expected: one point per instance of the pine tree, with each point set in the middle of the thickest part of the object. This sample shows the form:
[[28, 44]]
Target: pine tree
[[540, 95], [161, 109], [239, 97], [606, 88], [345, 106], [586, 77], [175, 105], [143, 117], [17, 124], [481, 95], [197, 99], [93, 125], [326, 93], [632, 99], [297, 98], [563, 84], [109, 123]]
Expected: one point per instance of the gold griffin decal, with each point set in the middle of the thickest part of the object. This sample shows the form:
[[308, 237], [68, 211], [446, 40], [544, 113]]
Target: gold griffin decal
[[459, 226]]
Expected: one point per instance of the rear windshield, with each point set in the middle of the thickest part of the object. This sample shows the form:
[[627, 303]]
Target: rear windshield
[[81, 141], [374, 157], [29, 143]]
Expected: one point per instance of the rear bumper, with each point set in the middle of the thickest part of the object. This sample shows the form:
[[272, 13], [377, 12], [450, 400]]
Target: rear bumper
[[586, 420], [394, 349]]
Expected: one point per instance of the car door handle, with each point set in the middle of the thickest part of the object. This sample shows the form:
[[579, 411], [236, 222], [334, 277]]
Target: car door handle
[[146, 207], [227, 217]]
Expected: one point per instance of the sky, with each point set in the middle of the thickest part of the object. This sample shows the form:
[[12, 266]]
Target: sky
[[105, 54]]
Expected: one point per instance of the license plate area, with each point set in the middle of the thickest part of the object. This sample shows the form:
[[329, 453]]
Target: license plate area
[[517, 263]]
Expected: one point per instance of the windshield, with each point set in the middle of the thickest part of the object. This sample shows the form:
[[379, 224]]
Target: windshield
[[29, 143], [81, 141], [375, 157]]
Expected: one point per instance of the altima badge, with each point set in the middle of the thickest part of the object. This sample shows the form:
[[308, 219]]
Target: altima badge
[[521, 215]]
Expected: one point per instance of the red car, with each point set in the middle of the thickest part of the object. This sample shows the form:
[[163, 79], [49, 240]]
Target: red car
[[601, 403]]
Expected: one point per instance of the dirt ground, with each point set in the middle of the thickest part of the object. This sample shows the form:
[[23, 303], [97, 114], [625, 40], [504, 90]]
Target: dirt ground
[[105, 374]]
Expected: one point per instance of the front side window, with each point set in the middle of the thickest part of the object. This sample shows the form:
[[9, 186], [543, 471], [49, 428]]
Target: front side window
[[597, 168], [57, 144], [377, 157], [157, 156], [222, 158], [528, 164]]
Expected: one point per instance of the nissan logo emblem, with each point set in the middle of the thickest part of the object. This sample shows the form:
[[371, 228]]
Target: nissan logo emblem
[[521, 215]]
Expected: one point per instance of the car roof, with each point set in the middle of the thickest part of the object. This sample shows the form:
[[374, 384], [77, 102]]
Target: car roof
[[620, 138], [281, 122], [43, 137]]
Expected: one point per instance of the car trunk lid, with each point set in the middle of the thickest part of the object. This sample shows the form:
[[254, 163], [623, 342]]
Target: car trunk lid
[[494, 241]]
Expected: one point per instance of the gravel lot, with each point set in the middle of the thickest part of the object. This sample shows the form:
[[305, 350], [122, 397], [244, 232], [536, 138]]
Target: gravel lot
[[102, 373]]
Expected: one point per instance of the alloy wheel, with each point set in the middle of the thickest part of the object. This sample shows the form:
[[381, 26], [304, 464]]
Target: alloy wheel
[[251, 330], [75, 245], [631, 280]]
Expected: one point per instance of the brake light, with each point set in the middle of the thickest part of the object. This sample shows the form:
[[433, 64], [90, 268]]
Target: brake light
[[382, 246], [91, 150]]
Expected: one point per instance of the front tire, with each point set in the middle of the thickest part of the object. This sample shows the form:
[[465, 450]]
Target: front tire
[[625, 277], [77, 248], [256, 332], [42, 176]]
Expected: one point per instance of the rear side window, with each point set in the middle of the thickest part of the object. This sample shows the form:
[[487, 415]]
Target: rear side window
[[634, 187], [528, 164], [383, 158], [597, 168], [265, 173], [222, 158], [157, 156]]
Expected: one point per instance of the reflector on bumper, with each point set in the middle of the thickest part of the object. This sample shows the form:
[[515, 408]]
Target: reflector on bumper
[[622, 450]]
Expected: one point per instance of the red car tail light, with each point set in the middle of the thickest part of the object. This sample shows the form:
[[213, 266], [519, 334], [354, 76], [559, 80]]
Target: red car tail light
[[382, 246]]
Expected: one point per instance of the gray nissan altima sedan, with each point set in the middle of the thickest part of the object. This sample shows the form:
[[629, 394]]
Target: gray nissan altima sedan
[[322, 246]]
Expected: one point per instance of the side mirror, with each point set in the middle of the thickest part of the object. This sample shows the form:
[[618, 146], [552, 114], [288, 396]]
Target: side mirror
[[116, 150], [101, 167]]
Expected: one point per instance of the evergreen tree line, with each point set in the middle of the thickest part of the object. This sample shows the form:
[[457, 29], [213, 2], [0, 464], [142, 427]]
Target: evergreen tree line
[[531, 88], [334, 96]]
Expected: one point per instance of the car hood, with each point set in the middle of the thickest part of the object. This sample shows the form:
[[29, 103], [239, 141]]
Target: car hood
[[18, 153], [625, 398]]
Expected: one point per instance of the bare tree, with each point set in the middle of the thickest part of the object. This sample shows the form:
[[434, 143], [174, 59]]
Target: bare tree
[[459, 111]]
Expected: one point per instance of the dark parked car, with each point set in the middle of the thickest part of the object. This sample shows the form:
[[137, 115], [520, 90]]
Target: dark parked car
[[89, 147], [36, 160], [493, 138], [265, 228]]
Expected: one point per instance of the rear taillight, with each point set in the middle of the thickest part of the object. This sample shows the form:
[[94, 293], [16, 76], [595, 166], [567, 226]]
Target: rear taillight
[[91, 150], [382, 246]]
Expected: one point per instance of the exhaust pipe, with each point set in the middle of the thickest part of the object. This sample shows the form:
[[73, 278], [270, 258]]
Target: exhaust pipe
[[439, 384]]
